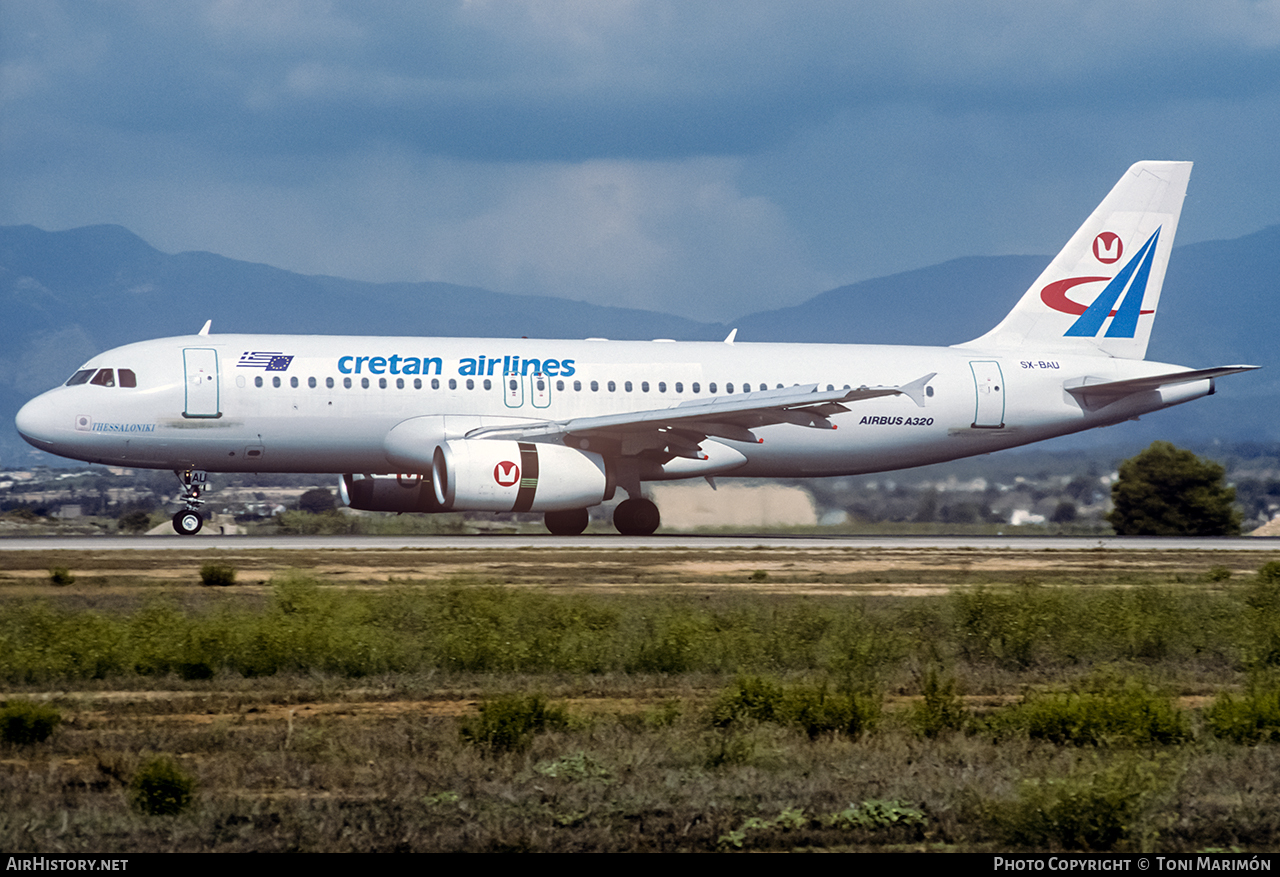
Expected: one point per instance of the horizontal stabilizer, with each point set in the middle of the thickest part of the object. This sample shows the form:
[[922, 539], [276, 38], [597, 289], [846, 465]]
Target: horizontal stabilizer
[[1100, 388]]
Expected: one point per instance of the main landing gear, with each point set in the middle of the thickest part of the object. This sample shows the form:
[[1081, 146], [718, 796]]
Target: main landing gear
[[189, 521], [632, 517], [570, 522], [636, 517]]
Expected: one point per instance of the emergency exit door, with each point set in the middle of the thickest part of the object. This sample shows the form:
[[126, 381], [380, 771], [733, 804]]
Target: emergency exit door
[[988, 382]]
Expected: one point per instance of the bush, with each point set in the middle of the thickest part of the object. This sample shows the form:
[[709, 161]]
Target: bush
[[509, 723], [217, 575], [1255, 718], [1089, 810], [162, 788], [811, 708], [23, 722], [940, 708], [1111, 712], [1166, 491], [61, 576]]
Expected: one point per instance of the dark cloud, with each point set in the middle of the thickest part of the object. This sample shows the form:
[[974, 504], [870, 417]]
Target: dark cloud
[[779, 146]]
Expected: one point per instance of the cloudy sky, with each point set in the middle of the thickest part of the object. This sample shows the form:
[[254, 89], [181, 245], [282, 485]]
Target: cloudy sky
[[706, 159]]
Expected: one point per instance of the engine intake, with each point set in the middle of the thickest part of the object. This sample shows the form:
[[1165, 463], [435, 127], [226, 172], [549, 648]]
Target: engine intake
[[507, 476]]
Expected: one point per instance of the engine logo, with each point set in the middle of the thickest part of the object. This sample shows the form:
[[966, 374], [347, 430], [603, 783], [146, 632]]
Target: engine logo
[[506, 474]]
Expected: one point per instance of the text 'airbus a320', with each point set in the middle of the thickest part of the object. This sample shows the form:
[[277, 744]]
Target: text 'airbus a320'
[[470, 424]]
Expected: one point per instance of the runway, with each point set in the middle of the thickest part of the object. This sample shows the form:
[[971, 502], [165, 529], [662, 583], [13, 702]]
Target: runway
[[612, 542]]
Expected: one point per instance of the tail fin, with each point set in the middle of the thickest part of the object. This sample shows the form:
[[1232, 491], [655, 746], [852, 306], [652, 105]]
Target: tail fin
[[1099, 295]]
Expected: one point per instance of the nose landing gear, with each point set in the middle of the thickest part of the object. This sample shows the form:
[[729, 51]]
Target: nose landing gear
[[189, 521]]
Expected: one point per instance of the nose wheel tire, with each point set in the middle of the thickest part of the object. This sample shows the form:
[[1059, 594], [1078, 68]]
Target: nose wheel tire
[[187, 523], [636, 517], [566, 523]]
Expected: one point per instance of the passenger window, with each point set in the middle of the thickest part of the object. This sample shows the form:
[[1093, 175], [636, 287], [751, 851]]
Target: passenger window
[[128, 378], [577, 386], [612, 387], [364, 383], [293, 382], [488, 384], [311, 382], [328, 382], [627, 386], [728, 388], [275, 382], [595, 386], [453, 384], [711, 388], [559, 385], [104, 378], [471, 385], [696, 388], [644, 386], [257, 382], [80, 377], [435, 383], [346, 382], [679, 387], [662, 386], [382, 383]]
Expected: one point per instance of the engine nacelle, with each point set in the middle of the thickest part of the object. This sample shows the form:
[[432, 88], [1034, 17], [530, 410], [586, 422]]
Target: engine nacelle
[[507, 476], [388, 493]]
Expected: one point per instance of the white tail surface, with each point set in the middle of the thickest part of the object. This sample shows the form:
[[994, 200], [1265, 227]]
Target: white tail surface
[[1099, 295]]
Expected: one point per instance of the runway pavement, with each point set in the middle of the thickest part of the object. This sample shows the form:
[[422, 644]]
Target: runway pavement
[[613, 542]]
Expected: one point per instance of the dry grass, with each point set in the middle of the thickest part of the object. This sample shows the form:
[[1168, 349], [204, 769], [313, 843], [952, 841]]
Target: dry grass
[[317, 761]]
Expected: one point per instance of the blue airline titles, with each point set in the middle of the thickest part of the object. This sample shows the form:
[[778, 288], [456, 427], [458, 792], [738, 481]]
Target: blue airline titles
[[511, 432]]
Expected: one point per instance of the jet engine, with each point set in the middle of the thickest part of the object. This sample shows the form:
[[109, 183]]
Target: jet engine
[[512, 476], [388, 493]]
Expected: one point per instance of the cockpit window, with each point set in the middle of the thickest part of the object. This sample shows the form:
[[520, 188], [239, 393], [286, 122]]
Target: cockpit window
[[104, 378], [127, 377], [79, 377]]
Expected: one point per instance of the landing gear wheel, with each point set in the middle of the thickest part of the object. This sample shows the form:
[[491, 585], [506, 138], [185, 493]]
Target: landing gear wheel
[[636, 517], [570, 522], [187, 523]]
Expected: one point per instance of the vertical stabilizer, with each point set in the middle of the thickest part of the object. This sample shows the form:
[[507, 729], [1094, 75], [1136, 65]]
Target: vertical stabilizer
[[1099, 295]]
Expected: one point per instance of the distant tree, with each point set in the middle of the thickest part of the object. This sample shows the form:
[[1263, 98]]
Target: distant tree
[[1166, 491], [318, 500], [135, 521], [1065, 513]]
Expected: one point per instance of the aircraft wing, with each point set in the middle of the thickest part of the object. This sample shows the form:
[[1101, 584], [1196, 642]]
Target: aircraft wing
[[1101, 389], [681, 427]]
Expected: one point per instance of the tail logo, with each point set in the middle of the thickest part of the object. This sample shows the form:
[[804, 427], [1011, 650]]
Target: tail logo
[[1130, 282], [1108, 248]]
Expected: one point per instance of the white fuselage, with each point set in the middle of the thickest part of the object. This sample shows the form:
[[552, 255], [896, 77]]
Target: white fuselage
[[221, 403]]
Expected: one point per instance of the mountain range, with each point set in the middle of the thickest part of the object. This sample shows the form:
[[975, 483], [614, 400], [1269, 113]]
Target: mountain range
[[70, 294]]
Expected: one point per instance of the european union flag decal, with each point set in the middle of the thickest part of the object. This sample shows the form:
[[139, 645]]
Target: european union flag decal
[[270, 360]]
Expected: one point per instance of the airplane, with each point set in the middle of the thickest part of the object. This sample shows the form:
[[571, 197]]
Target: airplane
[[557, 426]]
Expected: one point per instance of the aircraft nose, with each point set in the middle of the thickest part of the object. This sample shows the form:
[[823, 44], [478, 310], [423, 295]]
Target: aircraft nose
[[38, 422]]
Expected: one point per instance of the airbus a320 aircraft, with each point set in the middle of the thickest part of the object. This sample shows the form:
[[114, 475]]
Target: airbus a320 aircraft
[[477, 424]]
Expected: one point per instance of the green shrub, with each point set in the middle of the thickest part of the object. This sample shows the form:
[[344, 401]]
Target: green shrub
[[1263, 618], [509, 723], [940, 708], [217, 575], [162, 788], [23, 722], [1254, 718], [1088, 810], [812, 708], [1105, 712], [750, 698], [61, 576], [1217, 574]]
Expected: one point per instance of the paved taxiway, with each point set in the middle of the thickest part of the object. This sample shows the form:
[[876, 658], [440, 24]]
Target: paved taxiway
[[606, 542]]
